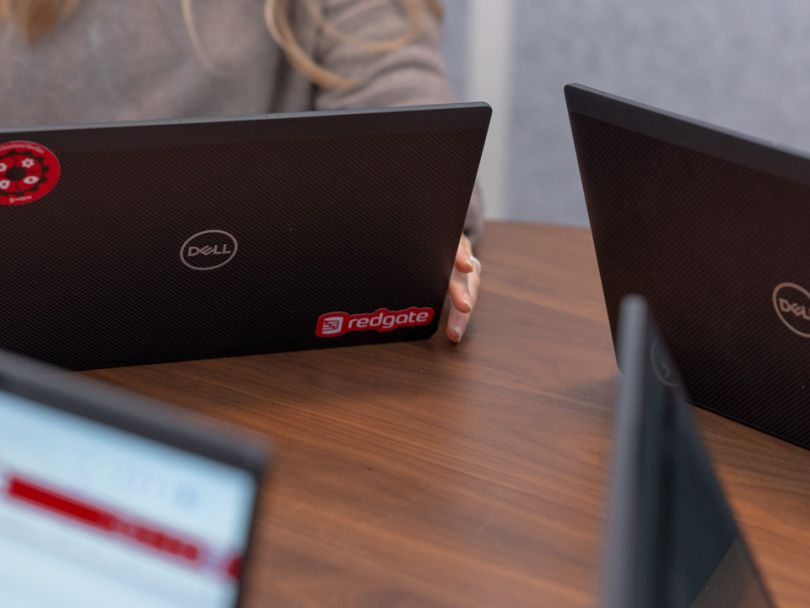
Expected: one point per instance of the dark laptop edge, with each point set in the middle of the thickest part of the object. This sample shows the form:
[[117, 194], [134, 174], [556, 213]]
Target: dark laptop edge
[[315, 124], [623, 515], [751, 152]]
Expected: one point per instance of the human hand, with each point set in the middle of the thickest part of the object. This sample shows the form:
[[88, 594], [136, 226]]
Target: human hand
[[463, 290]]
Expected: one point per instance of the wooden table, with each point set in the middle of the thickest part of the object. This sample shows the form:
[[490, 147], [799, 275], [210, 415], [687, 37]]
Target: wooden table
[[421, 473]]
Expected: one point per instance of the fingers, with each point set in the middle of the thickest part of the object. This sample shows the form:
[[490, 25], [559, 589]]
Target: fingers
[[464, 255], [464, 287], [460, 295], [457, 324]]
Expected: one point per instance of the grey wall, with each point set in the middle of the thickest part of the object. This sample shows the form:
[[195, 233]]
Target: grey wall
[[742, 64]]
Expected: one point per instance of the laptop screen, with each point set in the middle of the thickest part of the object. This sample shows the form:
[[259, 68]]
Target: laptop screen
[[673, 541], [93, 515]]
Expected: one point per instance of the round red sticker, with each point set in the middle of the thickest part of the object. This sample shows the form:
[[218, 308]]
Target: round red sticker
[[28, 171]]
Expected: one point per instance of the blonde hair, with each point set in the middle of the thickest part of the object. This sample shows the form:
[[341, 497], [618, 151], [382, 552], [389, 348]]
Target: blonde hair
[[36, 18]]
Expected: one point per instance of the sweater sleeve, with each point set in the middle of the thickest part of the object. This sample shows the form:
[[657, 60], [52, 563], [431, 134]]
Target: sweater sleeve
[[411, 75]]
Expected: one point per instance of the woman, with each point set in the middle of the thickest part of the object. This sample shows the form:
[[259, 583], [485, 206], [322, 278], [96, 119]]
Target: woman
[[80, 61]]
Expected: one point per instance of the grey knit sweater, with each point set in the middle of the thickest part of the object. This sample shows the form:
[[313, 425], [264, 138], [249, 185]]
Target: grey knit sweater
[[133, 59]]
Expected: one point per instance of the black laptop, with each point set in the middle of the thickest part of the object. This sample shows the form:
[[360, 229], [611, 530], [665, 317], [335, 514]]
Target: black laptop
[[108, 500], [157, 241], [711, 227], [672, 538]]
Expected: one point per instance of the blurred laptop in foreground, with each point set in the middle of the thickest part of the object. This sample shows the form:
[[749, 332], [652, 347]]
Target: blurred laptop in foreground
[[107, 500], [672, 539]]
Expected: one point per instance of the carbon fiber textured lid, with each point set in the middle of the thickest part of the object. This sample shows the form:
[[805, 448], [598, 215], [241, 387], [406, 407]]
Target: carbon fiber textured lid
[[711, 244], [348, 213]]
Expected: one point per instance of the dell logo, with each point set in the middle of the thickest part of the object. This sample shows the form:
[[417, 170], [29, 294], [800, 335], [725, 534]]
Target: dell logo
[[208, 249], [662, 366], [193, 251], [792, 305]]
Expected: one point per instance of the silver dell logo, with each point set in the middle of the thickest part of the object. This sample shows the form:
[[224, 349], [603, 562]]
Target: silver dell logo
[[662, 366], [208, 249], [792, 305]]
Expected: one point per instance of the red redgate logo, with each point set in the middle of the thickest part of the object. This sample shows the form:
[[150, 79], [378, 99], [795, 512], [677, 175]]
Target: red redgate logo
[[335, 324], [28, 171]]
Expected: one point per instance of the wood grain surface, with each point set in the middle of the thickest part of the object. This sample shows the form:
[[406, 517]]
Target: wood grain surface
[[426, 474]]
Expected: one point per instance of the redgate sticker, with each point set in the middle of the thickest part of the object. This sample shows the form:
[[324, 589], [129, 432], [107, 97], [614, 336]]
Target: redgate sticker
[[335, 324], [28, 171]]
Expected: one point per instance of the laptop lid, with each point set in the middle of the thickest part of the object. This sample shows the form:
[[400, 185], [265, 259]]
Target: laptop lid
[[179, 239], [672, 538], [709, 226], [109, 500]]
